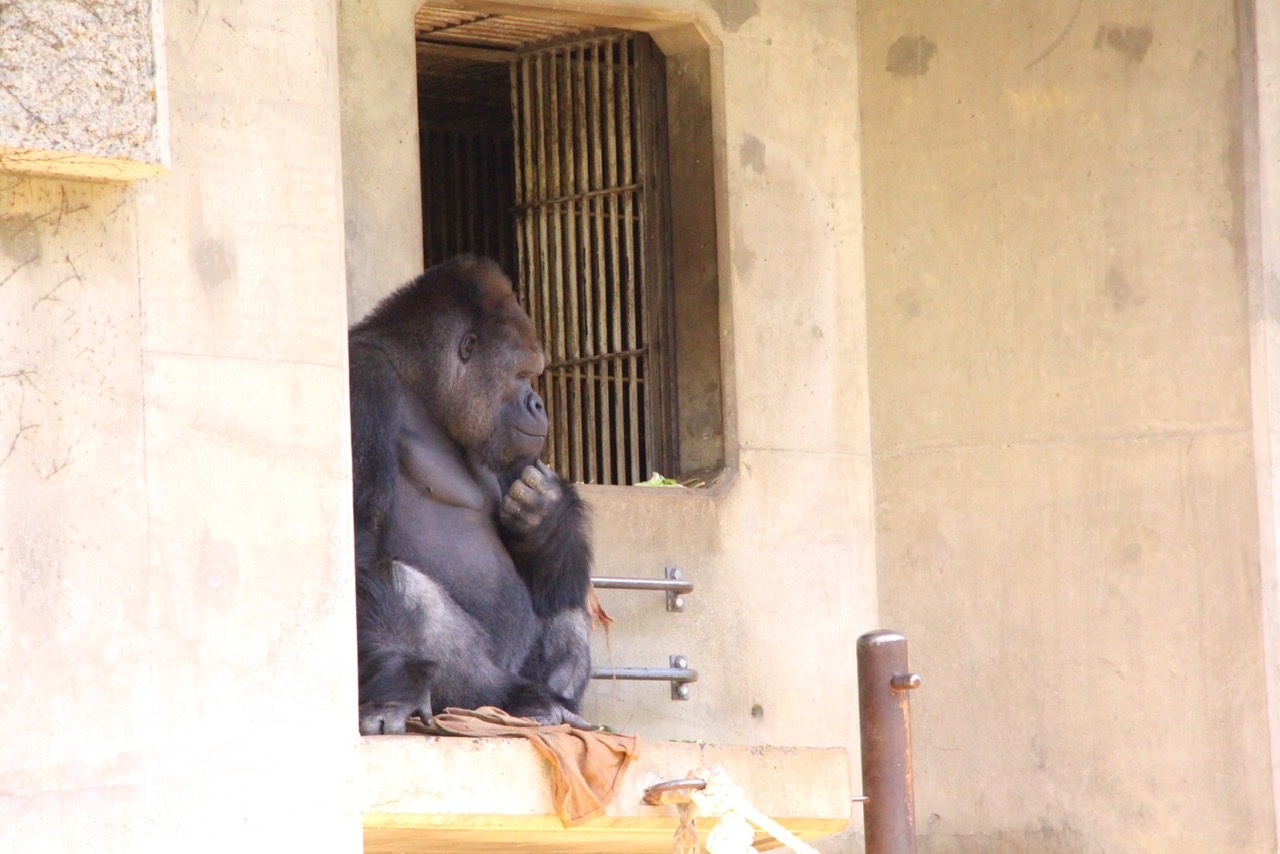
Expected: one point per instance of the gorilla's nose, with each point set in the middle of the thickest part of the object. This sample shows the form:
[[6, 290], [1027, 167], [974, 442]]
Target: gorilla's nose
[[534, 404]]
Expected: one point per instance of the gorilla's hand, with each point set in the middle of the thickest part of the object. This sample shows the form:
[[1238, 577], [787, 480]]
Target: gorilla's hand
[[531, 500], [558, 714]]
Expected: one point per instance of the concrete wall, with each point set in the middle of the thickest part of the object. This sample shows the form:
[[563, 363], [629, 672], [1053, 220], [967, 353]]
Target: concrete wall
[[176, 634], [781, 549], [1260, 63], [1066, 512]]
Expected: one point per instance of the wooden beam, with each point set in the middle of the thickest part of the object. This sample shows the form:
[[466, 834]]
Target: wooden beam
[[458, 51]]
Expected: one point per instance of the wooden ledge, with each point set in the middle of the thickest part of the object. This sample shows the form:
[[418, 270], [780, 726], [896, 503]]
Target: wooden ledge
[[427, 794]]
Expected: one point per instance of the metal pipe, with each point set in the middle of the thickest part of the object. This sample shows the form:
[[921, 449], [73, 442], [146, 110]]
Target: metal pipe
[[653, 794], [679, 675], [667, 584], [884, 681]]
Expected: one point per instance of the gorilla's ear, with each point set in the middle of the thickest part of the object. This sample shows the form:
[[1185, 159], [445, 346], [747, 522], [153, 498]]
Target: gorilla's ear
[[467, 346]]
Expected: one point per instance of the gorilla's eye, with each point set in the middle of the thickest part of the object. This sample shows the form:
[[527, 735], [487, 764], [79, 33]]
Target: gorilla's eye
[[467, 347]]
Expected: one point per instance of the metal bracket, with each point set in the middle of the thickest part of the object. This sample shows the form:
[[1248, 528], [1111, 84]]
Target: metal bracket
[[675, 597], [679, 674], [673, 584], [680, 688]]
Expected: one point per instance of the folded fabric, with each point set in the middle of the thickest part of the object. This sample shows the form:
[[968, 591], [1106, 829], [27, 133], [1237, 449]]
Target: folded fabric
[[586, 765]]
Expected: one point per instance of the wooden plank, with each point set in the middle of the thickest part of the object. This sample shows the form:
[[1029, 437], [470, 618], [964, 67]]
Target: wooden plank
[[450, 834]]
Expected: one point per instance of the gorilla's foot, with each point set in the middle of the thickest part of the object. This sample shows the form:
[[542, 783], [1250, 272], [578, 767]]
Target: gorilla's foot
[[388, 718]]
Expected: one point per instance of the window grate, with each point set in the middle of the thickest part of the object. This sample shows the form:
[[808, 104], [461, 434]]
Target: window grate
[[592, 248]]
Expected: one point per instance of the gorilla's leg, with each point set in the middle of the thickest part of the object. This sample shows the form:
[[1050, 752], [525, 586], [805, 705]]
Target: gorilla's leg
[[561, 658], [408, 621], [395, 668]]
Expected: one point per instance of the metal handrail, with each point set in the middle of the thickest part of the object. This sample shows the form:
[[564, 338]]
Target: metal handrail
[[646, 674], [679, 674], [669, 585], [673, 584]]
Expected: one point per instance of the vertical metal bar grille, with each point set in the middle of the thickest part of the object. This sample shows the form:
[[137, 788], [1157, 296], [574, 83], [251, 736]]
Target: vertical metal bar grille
[[588, 203], [466, 195]]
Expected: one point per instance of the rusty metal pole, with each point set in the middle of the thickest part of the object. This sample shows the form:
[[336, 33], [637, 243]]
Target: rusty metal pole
[[885, 718]]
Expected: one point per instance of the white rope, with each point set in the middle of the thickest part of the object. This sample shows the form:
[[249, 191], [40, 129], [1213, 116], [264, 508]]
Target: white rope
[[732, 833]]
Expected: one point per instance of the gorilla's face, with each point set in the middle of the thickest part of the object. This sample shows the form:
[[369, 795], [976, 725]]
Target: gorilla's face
[[507, 424]]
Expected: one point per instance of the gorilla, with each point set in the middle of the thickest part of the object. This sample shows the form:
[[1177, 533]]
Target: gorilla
[[472, 557]]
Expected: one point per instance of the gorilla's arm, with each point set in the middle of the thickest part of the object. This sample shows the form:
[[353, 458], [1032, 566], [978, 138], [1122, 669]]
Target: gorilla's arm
[[375, 414], [543, 524]]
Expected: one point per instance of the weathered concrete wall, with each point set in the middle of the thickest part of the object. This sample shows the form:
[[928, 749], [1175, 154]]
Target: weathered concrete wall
[[1260, 64], [176, 654], [781, 550], [1065, 478]]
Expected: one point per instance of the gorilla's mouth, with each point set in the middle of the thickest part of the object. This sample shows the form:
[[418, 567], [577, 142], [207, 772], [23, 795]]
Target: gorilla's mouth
[[530, 435]]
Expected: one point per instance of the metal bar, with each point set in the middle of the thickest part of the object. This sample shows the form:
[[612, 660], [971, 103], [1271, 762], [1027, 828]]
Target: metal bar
[[618, 450], [428, 215], [678, 675], [608, 582], [555, 279], [601, 341], [539, 282], [646, 200], [885, 720], [662, 397], [455, 188], [588, 360], [494, 178], [467, 188], [583, 334], [627, 128], [588, 194], [574, 338], [519, 148], [653, 794]]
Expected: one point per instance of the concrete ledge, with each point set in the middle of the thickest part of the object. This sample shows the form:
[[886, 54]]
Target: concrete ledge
[[428, 794], [84, 167]]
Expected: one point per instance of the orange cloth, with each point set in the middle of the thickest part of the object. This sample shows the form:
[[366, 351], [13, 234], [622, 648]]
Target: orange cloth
[[586, 765]]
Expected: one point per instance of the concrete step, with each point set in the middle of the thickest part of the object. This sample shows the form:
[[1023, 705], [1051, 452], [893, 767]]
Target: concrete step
[[430, 794]]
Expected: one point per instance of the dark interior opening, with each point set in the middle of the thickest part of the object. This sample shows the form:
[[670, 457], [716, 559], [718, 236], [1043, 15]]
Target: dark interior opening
[[544, 145]]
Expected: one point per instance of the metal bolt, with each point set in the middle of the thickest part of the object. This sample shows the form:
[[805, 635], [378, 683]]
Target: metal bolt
[[675, 602], [904, 681], [679, 690]]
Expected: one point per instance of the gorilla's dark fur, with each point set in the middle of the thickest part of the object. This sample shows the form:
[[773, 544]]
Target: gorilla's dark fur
[[472, 557]]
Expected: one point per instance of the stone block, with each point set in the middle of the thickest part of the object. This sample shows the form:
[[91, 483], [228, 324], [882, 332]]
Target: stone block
[[82, 89]]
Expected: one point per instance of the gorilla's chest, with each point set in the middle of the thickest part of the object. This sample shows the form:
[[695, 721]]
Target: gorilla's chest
[[459, 546]]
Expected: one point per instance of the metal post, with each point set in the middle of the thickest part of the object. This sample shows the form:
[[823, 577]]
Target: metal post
[[885, 718]]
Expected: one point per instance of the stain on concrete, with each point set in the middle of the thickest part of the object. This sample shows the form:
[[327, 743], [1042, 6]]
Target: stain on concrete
[[734, 13], [909, 303], [220, 570], [1058, 39], [909, 56], [1131, 42], [1121, 291], [214, 261], [744, 260], [751, 153], [1134, 544], [19, 239]]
